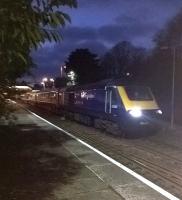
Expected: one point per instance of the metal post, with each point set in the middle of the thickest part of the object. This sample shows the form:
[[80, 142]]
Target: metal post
[[173, 86], [61, 71]]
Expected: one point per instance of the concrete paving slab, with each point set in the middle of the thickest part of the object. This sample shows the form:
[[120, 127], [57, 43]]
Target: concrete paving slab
[[138, 191], [92, 159], [84, 154], [84, 173], [79, 186], [98, 195], [126, 185], [76, 148], [113, 175], [60, 150]]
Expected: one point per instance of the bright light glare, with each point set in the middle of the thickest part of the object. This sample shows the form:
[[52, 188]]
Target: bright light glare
[[159, 112], [135, 112], [45, 79], [71, 75]]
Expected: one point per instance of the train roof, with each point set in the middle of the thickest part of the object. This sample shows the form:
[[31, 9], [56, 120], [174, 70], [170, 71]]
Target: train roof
[[99, 85]]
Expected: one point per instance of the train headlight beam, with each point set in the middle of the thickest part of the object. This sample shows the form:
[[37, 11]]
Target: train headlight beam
[[135, 112], [159, 112]]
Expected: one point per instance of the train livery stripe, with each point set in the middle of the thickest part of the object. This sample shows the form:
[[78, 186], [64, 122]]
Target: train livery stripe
[[130, 104], [121, 166]]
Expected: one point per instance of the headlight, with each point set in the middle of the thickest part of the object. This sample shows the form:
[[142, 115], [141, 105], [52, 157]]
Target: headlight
[[159, 112], [135, 112]]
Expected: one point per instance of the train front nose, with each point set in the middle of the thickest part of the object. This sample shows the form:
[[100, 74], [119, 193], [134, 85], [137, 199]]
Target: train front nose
[[138, 119]]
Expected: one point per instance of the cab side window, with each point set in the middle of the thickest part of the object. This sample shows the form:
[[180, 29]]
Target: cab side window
[[114, 101]]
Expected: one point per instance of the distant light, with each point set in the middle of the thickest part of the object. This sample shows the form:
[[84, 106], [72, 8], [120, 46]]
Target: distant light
[[21, 87], [72, 72], [45, 79], [71, 75], [135, 112], [34, 91], [14, 102], [83, 94], [51, 79], [127, 74]]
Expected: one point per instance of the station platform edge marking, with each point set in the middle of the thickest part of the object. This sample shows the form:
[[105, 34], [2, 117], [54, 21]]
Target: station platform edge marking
[[121, 166]]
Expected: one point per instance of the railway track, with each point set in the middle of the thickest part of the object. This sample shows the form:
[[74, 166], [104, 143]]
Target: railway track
[[162, 176], [153, 147]]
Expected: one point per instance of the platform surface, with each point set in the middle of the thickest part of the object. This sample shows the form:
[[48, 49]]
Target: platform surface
[[49, 165]]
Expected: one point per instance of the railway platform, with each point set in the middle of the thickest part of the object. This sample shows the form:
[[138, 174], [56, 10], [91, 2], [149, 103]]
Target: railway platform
[[47, 163]]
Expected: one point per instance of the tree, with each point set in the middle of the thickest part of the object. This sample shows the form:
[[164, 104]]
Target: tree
[[85, 64], [161, 66], [25, 25], [60, 82], [123, 60]]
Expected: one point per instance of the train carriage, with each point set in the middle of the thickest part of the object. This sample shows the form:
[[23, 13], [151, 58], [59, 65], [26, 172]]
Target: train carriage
[[111, 105]]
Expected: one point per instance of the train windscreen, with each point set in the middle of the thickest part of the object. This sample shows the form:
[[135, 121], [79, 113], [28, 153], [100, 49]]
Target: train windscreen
[[138, 93]]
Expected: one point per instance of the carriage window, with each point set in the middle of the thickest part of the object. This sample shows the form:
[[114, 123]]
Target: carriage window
[[138, 93]]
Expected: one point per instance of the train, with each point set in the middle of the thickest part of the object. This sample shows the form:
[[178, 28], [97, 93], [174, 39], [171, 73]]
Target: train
[[112, 105]]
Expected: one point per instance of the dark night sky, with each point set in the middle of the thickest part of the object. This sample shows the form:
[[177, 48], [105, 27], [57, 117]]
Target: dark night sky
[[100, 24]]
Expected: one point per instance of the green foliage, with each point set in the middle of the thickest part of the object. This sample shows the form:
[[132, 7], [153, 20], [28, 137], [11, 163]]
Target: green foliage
[[26, 24], [171, 35], [123, 61], [160, 66], [60, 82], [31, 22], [85, 64], [5, 94]]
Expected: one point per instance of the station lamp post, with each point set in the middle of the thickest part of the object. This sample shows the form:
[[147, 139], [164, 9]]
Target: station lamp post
[[43, 84], [173, 49], [44, 81], [62, 69], [52, 81]]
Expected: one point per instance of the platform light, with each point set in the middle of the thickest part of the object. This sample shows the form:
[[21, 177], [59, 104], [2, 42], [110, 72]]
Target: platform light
[[72, 77], [45, 79], [51, 79], [135, 112]]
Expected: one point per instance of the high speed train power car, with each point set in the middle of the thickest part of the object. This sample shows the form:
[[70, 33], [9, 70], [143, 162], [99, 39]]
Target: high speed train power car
[[110, 105]]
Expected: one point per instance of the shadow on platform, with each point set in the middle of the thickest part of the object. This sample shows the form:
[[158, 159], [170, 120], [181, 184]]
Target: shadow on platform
[[27, 170]]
